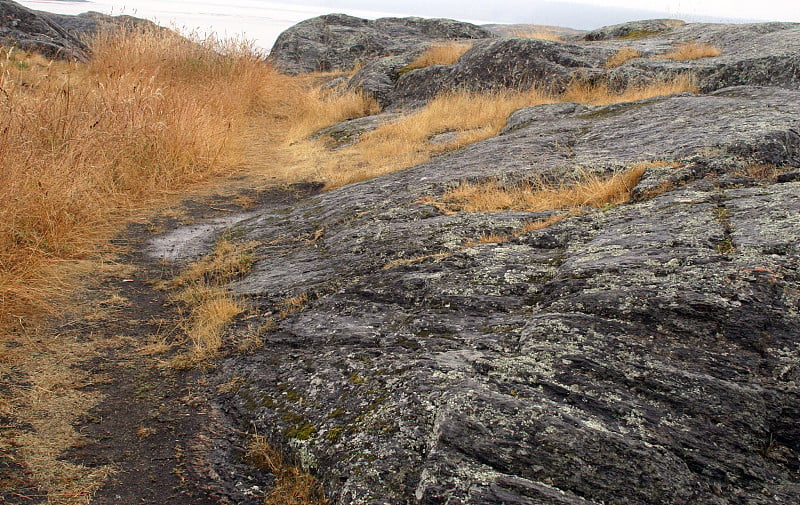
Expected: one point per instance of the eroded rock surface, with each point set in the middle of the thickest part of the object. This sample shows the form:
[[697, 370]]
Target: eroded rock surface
[[647, 353]]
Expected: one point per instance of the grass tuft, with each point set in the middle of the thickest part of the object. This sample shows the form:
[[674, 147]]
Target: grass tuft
[[588, 190], [445, 53], [691, 51], [292, 485], [211, 306], [621, 56]]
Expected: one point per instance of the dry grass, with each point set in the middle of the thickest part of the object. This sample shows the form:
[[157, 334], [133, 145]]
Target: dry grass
[[601, 94], [292, 486], [211, 306], [588, 190], [82, 144], [691, 51], [445, 53], [621, 56], [293, 304], [469, 116], [536, 34]]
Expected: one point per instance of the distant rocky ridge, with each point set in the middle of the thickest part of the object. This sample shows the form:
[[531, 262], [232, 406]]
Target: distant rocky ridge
[[57, 36], [642, 354]]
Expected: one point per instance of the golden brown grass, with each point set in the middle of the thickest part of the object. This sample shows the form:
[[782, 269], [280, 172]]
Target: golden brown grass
[[691, 51], [292, 486], [471, 116], [588, 190], [621, 56], [601, 94], [536, 34], [84, 143], [211, 306], [445, 53]]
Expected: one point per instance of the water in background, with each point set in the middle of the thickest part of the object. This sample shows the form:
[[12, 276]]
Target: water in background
[[256, 20]]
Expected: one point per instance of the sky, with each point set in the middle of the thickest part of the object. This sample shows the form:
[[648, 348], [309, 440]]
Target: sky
[[263, 20]]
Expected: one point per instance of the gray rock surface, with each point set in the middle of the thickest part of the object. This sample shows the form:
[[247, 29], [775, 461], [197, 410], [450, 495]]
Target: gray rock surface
[[633, 29], [760, 54], [32, 31], [647, 353], [87, 24], [339, 41]]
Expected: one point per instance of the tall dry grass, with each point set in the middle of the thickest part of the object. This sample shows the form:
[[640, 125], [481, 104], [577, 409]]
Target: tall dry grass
[[83, 144]]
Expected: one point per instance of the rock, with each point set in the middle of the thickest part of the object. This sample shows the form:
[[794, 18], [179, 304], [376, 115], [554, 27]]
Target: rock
[[503, 64], [349, 132], [751, 54], [339, 42], [87, 24], [645, 353], [32, 31], [634, 29]]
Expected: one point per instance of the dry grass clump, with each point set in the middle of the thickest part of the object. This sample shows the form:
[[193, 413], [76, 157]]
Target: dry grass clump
[[691, 51], [601, 94], [211, 306], [444, 53], [536, 34], [292, 485], [293, 304], [621, 56], [588, 190]]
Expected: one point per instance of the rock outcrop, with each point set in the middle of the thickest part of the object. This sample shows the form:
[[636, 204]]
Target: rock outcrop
[[58, 36], [33, 31], [87, 24], [339, 41], [643, 353], [751, 54]]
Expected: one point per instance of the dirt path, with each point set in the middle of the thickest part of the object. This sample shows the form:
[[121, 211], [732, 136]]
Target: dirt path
[[153, 422]]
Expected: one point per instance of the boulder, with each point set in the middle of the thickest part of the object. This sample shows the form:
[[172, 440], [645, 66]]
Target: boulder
[[33, 31], [339, 41], [509, 63]]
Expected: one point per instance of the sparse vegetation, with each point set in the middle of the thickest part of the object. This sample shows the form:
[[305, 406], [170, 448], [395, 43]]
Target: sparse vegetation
[[588, 190], [469, 116], [292, 486], [537, 34], [691, 51], [211, 306], [445, 53], [621, 56]]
